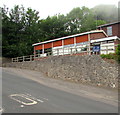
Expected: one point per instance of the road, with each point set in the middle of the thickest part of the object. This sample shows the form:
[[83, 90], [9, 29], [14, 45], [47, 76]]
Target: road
[[23, 95]]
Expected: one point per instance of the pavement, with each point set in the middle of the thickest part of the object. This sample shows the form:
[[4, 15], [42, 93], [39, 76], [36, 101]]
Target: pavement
[[27, 91]]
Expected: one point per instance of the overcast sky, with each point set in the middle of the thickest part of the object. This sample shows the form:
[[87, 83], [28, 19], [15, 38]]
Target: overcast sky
[[52, 7]]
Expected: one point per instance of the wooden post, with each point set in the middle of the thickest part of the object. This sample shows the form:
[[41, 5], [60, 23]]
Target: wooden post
[[57, 52], [12, 59], [30, 57], [17, 59], [23, 58], [70, 50]]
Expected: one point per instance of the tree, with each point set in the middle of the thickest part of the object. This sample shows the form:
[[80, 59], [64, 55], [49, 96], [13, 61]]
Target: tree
[[53, 27], [22, 27], [20, 30], [73, 23]]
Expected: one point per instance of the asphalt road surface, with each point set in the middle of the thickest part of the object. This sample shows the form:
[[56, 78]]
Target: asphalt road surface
[[22, 95]]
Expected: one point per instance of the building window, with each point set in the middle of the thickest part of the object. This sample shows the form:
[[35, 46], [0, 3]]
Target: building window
[[109, 31], [104, 42], [111, 41]]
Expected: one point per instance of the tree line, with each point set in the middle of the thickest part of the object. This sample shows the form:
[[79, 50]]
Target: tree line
[[22, 27]]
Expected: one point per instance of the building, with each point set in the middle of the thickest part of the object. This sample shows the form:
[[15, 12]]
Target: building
[[78, 43], [109, 44], [111, 29], [105, 45], [101, 41]]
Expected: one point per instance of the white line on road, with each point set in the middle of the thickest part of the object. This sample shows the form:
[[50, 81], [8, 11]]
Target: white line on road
[[14, 97], [1, 109], [34, 98]]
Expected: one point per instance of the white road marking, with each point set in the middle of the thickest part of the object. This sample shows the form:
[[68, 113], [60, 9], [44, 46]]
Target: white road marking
[[45, 99], [21, 105], [36, 98], [13, 96], [28, 95], [1, 109]]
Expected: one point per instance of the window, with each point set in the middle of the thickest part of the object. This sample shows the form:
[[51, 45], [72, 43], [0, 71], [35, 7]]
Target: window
[[104, 42], [111, 41], [109, 31]]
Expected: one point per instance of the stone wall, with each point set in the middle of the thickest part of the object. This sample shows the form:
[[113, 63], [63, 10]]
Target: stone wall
[[82, 69]]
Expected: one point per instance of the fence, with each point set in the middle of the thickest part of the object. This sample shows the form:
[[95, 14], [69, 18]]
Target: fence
[[64, 51], [23, 58]]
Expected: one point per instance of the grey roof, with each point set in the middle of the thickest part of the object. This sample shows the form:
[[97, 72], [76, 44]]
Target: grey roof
[[108, 24]]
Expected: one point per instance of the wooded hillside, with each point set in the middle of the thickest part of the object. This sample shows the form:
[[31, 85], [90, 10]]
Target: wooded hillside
[[22, 27]]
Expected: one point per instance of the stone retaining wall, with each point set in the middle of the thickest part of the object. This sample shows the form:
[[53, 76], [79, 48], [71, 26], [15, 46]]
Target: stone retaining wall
[[83, 69]]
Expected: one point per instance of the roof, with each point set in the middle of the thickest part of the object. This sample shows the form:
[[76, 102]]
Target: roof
[[95, 31], [108, 24], [104, 39]]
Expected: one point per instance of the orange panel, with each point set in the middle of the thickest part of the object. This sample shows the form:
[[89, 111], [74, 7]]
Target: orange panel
[[69, 41], [82, 38], [57, 43], [48, 45], [38, 47]]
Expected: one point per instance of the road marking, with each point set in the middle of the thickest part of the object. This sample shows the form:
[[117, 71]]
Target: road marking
[[34, 98], [45, 99], [1, 109], [15, 96], [21, 105]]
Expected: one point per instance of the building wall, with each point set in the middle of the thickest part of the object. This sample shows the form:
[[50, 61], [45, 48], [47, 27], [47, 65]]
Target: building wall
[[70, 44], [97, 35], [48, 45], [83, 38], [115, 29], [57, 43], [68, 41], [107, 48], [38, 47]]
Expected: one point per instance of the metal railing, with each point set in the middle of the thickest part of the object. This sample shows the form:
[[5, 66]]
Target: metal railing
[[63, 51], [23, 58]]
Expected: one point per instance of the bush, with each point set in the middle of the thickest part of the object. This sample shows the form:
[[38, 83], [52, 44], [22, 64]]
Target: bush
[[118, 49], [118, 53], [115, 56], [108, 56]]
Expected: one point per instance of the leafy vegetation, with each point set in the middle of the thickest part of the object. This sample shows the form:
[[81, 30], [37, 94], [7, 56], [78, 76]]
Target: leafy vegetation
[[115, 56], [118, 53], [108, 56], [22, 27]]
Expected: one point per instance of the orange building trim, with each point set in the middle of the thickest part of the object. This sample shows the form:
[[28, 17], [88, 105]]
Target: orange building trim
[[57, 43], [68, 41], [38, 47], [47, 45], [80, 39]]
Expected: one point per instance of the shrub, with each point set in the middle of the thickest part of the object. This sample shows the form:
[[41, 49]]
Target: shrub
[[108, 56], [115, 56], [118, 53], [118, 49]]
